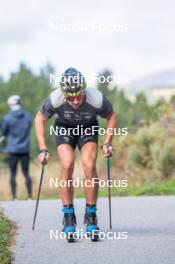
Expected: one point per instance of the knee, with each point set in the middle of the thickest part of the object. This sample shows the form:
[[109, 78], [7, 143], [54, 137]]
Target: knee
[[89, 167], [67, 165]]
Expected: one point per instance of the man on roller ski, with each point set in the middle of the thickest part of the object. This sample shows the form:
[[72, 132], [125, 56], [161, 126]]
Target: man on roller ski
[[72, 105]]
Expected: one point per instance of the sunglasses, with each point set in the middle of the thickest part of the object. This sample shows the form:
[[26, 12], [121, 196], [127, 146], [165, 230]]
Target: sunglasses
[[78, 97]]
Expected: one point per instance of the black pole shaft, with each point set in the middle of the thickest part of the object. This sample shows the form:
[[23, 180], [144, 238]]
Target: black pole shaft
[[38, 197], [109, 192]]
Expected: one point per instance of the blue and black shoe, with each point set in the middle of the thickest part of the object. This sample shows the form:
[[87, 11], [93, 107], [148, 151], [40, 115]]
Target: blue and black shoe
[[90, 221], [69, 222]]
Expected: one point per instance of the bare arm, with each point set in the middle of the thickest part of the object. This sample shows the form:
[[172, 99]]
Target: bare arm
[[40, 121], [111, 124]]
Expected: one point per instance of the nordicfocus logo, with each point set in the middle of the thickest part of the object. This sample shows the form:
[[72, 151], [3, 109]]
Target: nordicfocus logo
[[59, 26], [55, 79], [80, 130], [81, 183], [80, 234]]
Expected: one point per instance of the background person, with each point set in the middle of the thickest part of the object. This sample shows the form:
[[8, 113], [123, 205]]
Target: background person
[[16, 127]]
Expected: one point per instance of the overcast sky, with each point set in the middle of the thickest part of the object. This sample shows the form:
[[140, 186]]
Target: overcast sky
[[147, 45]]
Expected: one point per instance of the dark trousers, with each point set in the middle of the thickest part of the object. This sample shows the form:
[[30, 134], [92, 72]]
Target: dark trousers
[[14, 158]]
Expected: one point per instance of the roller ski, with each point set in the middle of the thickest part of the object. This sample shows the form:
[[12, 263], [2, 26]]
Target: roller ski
[[90, 221], [69, 222]]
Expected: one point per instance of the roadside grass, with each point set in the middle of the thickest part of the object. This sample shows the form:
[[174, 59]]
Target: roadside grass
[[137, 184], [7, 232], [162, 188]]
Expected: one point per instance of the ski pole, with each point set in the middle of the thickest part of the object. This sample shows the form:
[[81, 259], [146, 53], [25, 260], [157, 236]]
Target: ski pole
[[38, 196], [109, 191]]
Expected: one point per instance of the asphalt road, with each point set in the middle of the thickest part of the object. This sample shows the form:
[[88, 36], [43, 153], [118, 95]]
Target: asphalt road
[[144, 230]]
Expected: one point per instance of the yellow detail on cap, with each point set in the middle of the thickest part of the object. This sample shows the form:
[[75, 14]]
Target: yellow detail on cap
[[72, 94]]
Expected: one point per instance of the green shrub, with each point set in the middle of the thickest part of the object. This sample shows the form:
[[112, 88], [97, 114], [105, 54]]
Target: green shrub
[[166, 160]]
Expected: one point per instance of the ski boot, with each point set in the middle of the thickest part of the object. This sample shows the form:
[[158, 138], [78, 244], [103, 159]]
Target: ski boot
[[69, 222], [90, 221]]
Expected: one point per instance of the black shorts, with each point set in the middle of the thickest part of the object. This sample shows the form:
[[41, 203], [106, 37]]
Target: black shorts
[[76, 135]]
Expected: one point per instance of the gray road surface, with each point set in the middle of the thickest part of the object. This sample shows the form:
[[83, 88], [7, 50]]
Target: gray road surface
[[148, 221]]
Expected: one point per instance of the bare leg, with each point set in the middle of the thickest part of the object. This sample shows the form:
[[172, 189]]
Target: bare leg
[[66, 156], [89, 156]]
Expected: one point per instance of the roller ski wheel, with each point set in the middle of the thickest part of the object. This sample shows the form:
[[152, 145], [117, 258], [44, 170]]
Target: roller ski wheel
[[94, 235], [70, 237]]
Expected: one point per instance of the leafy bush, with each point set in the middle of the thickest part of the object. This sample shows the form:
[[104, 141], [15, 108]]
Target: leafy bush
[[152, 150], [166, 159]]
